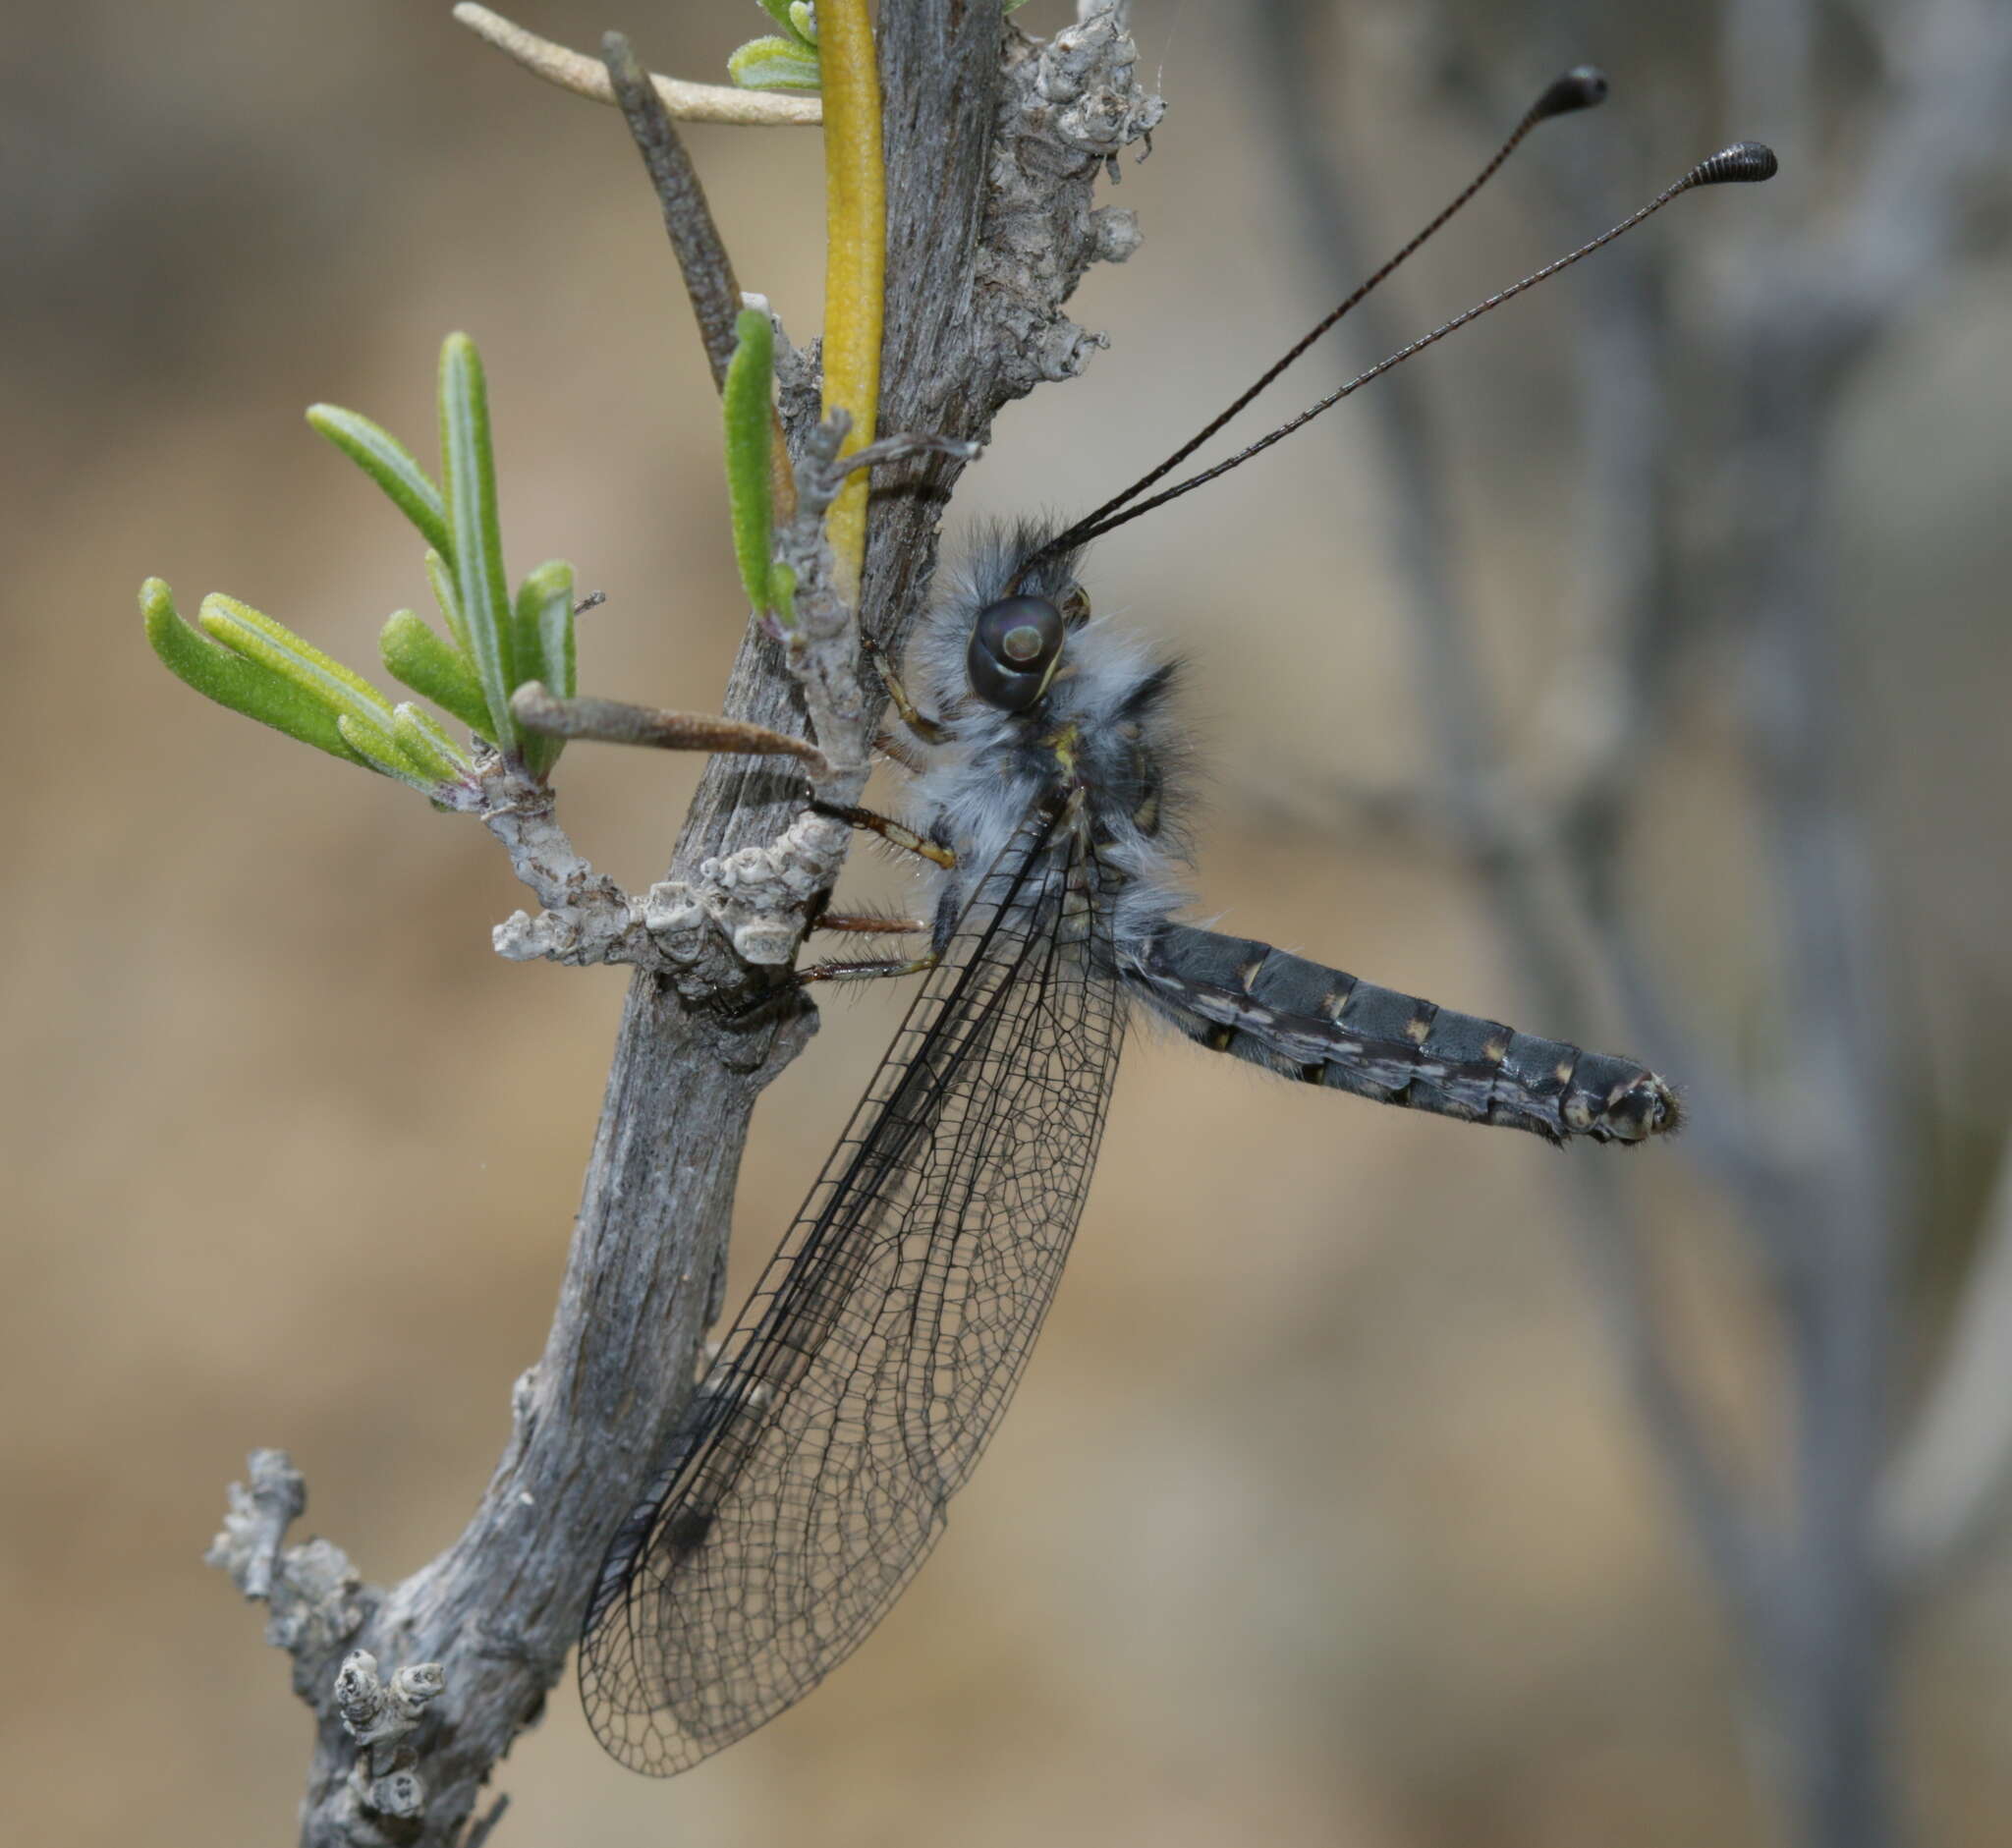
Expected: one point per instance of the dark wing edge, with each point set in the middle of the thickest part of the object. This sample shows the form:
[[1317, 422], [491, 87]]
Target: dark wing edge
[[868, 1370]]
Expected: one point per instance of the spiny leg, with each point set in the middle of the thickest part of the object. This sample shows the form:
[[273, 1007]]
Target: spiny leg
[[901, 751], [866, 969], [860, 968], [871, 821], [928, 730], [867, 925]]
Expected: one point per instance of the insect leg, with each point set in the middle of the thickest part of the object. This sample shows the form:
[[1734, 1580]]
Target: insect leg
[[902, 751], [856, 969], [869, 925], [889, 830], [928, 730], [868, 968]]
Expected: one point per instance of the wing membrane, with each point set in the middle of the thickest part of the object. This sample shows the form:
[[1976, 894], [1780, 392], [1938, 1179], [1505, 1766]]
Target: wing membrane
[[867, 1374]]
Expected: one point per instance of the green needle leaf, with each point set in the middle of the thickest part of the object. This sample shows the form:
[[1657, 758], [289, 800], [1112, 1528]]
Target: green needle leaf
[[544, 628], [417, 658], [391, 464], [440, 575], [745, 401], [233, 680], [783, 13], [801, 20], [379, 750], [274, 647], [545, 647], [425, 746], [774, 64], [476, 550]]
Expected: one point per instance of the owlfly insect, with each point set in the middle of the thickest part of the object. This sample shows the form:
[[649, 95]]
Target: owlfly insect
[[861, 1384]]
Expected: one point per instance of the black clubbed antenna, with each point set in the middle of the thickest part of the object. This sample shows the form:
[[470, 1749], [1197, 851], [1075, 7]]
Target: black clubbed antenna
[[1742, 162], [1581, 87]]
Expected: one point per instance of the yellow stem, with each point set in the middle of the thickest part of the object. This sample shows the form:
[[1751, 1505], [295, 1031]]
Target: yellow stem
[[854, 256]]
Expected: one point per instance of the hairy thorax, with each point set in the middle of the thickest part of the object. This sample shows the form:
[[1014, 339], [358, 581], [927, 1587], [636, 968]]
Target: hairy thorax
[[1104, 735]]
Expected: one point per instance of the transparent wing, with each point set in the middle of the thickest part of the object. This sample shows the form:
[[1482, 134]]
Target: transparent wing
[[853, 1396]]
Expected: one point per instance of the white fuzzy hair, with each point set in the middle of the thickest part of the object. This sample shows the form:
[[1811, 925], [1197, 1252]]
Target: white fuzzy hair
[[984, 775]]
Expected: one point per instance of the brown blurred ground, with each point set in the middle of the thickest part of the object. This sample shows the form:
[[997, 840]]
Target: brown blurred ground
[[1322, 1517]]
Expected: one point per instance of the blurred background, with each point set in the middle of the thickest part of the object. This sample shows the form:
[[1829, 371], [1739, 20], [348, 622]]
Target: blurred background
[[1633, 669]]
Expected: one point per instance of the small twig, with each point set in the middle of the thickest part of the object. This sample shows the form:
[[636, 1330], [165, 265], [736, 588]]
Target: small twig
[[255, 1527], [905, 447], [483, 1826], [314, 1600], [708, 271], [616, 722], [584, 77], [701, 252], [1942, 131], [1951, 1475], [824, 643]]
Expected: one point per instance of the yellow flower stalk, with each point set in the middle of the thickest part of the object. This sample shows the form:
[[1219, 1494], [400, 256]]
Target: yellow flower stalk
[[856, 255]]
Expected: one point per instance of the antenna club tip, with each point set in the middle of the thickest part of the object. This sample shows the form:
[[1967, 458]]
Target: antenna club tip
[[1583, 86], [1743, 163]]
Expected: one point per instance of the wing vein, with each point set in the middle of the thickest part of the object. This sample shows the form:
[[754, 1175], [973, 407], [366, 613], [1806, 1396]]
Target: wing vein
[[874, 1361]]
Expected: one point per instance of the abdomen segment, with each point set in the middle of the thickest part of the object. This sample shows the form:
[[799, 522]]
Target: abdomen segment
[[1323, 1027]]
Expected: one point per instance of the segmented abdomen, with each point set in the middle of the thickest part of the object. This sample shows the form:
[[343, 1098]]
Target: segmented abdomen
[[1326, 1028]]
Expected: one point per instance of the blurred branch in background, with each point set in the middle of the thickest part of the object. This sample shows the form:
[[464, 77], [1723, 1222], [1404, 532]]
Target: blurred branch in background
[[1815, 1141], [1947, 1486]]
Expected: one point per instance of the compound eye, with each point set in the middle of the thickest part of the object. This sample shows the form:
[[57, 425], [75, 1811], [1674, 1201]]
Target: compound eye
[[1015, 645]]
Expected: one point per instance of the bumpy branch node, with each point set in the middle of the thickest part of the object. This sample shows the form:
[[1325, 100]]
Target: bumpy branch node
[[379, 1716]]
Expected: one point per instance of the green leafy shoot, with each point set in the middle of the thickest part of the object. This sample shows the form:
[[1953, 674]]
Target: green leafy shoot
[[772, 63], [796, 18], [745, 405], [257, 638], [422, 740], [543, 649], [476, 558], [441, 578], [243, 659], [391, 464], [416, 657], [233, 680]]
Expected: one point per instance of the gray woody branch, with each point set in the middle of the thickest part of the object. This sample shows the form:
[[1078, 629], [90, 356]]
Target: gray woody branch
[[993, 142], [1469, 801], [1820, 1167]]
